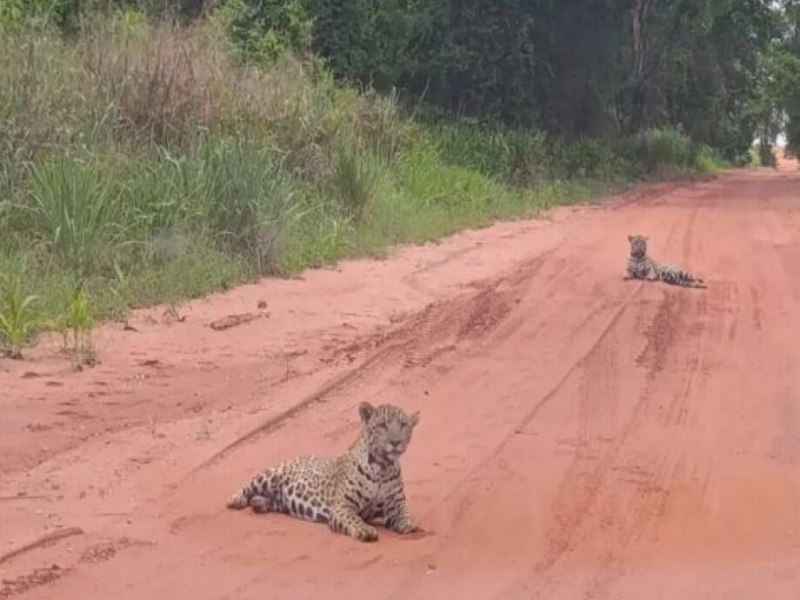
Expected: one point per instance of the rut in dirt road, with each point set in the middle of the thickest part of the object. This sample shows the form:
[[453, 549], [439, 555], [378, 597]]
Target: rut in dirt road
[[581, 436]]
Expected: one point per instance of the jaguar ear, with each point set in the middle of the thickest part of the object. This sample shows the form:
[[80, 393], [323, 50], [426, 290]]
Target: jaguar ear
[[414, 419], [365, 411]]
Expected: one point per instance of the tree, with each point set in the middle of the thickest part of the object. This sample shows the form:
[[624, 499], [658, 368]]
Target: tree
[[585, 67]]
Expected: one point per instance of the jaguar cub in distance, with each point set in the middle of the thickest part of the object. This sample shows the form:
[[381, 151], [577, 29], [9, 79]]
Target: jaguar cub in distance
[[641, 266], [347, 492]]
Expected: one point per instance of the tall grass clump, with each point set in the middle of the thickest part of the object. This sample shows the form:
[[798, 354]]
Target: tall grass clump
[[247, 199], [75, 211], [354, 180], [381, 127]]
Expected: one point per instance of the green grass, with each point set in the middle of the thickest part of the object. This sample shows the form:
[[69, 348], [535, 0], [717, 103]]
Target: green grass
[[18, 317], [142, 163], [77, 329], [74, 211], [667, 153], [355, 181]]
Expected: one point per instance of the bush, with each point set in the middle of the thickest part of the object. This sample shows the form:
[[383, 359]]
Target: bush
[[247, 199], [516, 156], [437, 185], [706, 160], [75, 211], [666, 152], [355, 180], [265, 30], [588, 158], [766, 156]]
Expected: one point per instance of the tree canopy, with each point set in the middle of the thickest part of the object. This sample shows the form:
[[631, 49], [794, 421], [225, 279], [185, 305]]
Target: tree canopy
[[722, 71]]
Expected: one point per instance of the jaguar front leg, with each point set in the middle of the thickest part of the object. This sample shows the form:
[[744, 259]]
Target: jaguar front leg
[[345, 519], [398, 518]]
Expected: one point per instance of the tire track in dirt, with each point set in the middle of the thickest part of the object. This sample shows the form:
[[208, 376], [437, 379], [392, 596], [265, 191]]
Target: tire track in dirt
[[650, 480], [582, 486], [470, 477], [666, 352], [437, 329]]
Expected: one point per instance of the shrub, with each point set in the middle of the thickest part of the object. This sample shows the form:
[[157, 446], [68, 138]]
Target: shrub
[[517, 156], [355, 180], [265, 30], [766, 155], [589, 158], [656, 148], [248, 199], [74, 210]]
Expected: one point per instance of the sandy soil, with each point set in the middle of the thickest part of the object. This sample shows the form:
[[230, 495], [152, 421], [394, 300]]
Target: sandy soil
[[581, 436]]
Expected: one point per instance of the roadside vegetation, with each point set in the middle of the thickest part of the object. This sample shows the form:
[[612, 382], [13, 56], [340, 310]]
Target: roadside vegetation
[[156, 151]]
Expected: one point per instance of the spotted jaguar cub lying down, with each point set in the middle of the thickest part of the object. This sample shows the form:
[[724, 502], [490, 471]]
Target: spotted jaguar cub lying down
[[641, 266], [347, 492]]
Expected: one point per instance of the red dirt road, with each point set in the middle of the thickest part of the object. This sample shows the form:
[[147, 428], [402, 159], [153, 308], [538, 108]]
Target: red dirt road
[[581, 436]]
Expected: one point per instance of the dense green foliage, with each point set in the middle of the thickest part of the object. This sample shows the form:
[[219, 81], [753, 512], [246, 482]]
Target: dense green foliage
[[154, 150], [587, 67], [581, 68]]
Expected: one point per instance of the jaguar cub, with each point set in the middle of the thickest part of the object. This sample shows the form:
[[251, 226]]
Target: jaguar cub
[[641, 266], [362, 486]]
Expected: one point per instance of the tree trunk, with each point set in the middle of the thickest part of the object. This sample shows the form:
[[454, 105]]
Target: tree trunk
[[638, 78]]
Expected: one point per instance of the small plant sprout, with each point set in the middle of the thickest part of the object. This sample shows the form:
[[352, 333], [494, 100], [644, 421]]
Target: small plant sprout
[[78, 326], [18, 320]]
